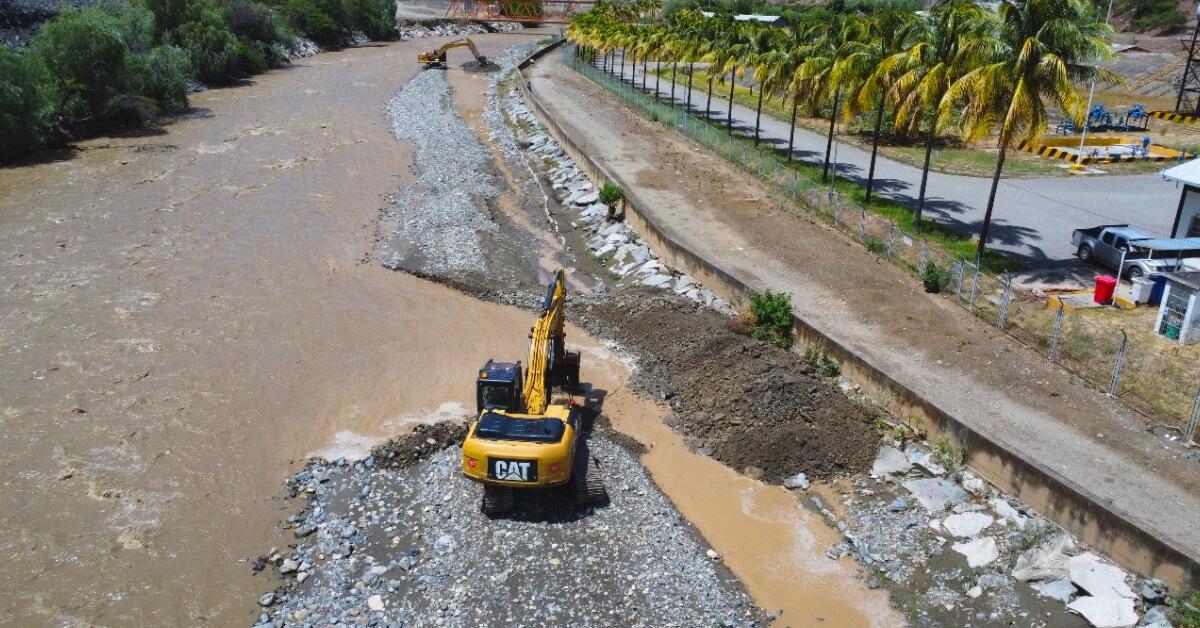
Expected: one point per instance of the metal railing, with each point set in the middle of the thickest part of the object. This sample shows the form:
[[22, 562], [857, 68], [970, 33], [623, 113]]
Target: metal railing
[[1154, 382]]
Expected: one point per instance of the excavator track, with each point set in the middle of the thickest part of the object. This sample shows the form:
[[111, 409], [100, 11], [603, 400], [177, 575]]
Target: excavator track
[[497, 500], [589, 483]]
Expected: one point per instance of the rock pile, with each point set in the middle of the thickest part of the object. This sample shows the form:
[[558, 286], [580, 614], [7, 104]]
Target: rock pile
[[382, 545], [417, 30], [965, 549], [609, 239]]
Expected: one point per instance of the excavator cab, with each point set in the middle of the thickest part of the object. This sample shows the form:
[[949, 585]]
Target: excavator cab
[[498, 387]]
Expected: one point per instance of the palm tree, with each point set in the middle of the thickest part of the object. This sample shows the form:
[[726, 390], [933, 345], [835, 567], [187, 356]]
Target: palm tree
[[779, 67], [950, 42], [826, 42], [757, 49], [864, 65], [723, 57], [1043, 48]]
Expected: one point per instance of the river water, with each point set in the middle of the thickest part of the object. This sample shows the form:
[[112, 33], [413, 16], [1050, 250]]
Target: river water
[[188, 313]]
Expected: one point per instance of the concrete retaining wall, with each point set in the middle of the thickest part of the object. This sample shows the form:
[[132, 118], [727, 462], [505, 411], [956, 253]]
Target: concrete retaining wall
[[1083, 514]]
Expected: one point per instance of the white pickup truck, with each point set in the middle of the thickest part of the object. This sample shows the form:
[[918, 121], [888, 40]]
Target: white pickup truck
[[1136, 252]]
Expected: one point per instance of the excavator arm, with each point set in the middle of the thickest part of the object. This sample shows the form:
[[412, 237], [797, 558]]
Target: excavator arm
[[546, 351], [436, 58]]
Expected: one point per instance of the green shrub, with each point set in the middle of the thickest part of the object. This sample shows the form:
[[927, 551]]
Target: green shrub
[[1161, 15], [162, 75], [611, 195], [318, 19], [210, 44], [822, 363], [876, 246], [374, 18], [772, 313], [254, 21], [85, 55], [934, 277], [26, 102]]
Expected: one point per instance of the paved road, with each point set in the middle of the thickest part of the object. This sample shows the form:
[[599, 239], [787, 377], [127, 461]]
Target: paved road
[[1004, 391], [1033, 218]]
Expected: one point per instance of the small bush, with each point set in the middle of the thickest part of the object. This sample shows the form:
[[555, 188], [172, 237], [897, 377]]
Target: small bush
[[162, 76], [85, 55], [26, 103], [611, 195], [934, 277], [1186, 613], [374, 18], [946, 454], [822, 363], [210, 44], [318, 19], [876, 246], [772, 318]]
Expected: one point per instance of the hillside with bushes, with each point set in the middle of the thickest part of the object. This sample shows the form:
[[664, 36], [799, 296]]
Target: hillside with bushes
[[121, 63]]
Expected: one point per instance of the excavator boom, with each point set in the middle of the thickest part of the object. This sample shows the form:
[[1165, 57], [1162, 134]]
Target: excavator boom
[[545, 347], [437, 58]]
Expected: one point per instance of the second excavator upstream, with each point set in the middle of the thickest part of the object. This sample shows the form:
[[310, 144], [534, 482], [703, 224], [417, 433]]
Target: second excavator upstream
[[437, 58], [522, 438]]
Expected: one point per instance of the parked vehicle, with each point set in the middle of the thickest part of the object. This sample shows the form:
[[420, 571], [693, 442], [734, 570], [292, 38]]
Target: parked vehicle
[[1137, 253]]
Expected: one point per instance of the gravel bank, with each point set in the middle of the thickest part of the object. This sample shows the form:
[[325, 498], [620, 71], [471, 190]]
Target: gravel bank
[[388, 546], [441, 225]]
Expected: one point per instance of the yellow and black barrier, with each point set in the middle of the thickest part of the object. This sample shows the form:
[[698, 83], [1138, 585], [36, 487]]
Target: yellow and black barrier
[[1158, 154], [1171, 116]]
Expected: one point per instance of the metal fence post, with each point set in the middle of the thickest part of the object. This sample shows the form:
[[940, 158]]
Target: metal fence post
[[960, 269], [1120, 361], [862, 223], [1058, 321], [1189, 436], [923, 261], [974, 287], [1004, 302], [837, 211], [891, 237]]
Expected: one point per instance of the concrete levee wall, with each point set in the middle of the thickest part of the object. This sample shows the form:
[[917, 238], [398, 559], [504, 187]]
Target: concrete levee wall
[[1085, 515]]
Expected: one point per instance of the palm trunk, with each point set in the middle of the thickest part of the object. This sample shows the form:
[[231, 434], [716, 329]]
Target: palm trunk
[[633, 73], [924, 175], [688, 106], [729, 113], [657, 79], [987, 215], [622, 65], [708, 104], [874, 149], [674, 69], [829, 141], [758, 114], [643, 74], [792, 132]]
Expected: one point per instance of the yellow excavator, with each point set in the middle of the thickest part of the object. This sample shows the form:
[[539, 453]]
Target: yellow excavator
[[437, 58], [522, 439]]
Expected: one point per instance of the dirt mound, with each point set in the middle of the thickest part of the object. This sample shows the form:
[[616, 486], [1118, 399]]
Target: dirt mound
[[422, 442], [748, 403]]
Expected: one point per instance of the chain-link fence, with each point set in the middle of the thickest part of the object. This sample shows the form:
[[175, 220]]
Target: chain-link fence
[[1155, 381]]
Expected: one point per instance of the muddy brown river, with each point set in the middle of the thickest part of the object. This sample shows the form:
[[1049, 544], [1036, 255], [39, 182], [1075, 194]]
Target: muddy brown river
[[188, 313]]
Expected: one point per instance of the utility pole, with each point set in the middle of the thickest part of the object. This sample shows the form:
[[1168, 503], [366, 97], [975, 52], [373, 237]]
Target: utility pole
[[1087, 113], [1187, 68]]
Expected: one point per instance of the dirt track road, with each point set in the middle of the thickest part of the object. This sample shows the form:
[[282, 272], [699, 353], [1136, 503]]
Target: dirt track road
[[962, 365], [185, 313]]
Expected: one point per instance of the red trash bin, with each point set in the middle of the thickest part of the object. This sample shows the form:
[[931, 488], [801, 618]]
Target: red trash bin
[[1105, 287]]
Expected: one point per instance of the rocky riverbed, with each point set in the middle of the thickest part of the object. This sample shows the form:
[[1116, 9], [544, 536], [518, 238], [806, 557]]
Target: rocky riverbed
[[387, 543]]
